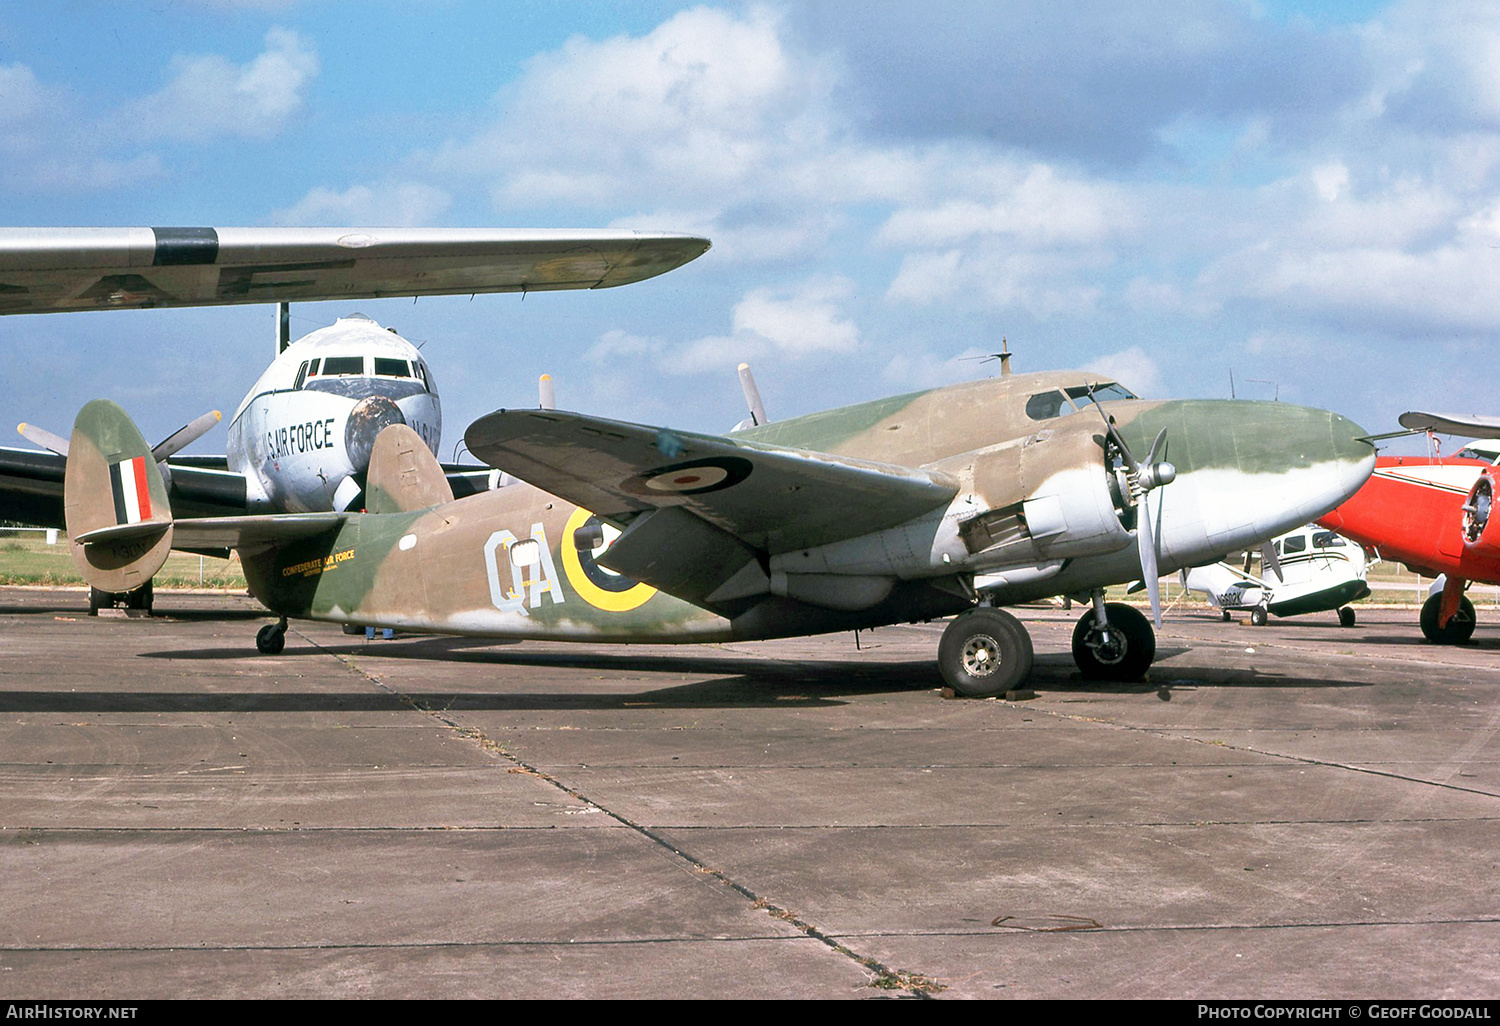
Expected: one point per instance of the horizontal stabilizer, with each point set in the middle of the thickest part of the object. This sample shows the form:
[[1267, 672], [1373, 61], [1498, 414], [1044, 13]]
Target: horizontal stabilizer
[[45, 270], [1471, 425], [772, 498], [253, 532]]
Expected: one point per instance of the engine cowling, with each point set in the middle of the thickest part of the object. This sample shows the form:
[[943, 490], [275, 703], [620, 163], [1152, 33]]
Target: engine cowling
[[1050, 496]]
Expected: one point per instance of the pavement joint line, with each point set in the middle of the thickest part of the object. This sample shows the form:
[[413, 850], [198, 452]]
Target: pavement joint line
[[1147, 928], [882, 977]]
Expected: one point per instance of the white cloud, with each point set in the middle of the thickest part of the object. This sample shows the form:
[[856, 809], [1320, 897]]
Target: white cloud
[[209, 96], [1133, 368], [402, 204]]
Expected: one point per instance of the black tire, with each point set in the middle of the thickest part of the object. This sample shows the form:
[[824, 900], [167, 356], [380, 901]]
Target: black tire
[[1459, 629], [140, 598], [985, 652], [1129, 654], [1224, 613], [270, 639], [99, 600], [1258, 616], [1346, 616]]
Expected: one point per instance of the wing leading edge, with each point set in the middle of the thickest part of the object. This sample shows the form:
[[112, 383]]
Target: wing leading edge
[[46, 270]]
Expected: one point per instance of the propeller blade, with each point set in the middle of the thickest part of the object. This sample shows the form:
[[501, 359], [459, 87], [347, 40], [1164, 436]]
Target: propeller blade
[[1146, 543], [1268, 561], [1156, 447], [185, 435], [44, 438]]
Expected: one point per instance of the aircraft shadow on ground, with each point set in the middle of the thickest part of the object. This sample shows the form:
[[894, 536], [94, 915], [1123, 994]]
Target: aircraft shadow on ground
[[1058, 671]]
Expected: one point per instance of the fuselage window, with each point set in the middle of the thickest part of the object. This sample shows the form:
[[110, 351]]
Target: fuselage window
[[1296, 543], [388, 367], [344, 365], [1327, 540], [1046, 405]]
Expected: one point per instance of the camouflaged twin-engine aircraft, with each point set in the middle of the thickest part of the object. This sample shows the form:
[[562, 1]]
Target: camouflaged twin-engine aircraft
[[948, 502]]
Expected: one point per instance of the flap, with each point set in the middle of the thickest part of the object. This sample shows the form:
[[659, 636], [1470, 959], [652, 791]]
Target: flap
[[772, 498]]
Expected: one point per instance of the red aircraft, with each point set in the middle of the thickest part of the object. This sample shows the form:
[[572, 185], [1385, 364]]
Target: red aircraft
[[1433, 514]]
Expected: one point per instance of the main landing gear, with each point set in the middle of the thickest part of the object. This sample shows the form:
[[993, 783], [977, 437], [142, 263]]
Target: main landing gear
[[271, 638], [138, 601], [1458, 629], [1113, 642], [986, 651]]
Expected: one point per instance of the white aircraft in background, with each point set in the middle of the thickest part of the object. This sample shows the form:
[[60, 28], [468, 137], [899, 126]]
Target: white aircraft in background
[[1315, 570], [300, 440]]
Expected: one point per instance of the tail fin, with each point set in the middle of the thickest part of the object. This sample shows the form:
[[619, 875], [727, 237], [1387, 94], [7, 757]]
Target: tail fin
[[114, 501], [404, 475]]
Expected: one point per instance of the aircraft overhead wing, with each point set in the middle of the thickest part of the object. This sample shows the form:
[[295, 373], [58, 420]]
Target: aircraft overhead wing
[[769, 498], [1470, 426], [46, 270]]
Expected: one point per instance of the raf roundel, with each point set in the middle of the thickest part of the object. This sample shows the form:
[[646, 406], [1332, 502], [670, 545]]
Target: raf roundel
[[583, 540], [694, 477]]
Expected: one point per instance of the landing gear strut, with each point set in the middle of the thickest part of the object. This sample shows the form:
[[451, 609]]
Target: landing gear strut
[[271, 638], [1113, 642], [984, 651], [1458, 630]]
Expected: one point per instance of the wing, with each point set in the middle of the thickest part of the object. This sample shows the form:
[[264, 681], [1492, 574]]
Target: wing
[[703, 511], [54, 269], [1471, 426]]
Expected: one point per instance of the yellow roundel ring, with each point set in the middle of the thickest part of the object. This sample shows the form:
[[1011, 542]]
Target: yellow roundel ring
[[614, 601]]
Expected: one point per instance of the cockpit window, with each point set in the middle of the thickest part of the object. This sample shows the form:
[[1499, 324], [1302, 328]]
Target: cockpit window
[[389, 367], [344, 365], [1103, 392], [1296, 543], [424, 374], [301, 374], [1046, 405]]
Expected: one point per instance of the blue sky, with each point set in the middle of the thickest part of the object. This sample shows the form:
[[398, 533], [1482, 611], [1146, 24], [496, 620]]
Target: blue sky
[[1167, 192]]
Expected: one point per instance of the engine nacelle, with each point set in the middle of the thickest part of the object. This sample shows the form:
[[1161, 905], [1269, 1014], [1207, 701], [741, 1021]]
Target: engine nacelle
[[1047, 497]]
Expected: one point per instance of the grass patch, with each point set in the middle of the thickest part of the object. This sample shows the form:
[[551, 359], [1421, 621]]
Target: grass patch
[[30, 560]]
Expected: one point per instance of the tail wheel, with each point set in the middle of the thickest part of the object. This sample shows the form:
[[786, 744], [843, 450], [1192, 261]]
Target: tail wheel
[[985, 652], [1457, 631], [1124, 652], [1346, 617], [271, 639]]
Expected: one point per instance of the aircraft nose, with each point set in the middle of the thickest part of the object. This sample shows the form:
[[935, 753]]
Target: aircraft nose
[[1247, 471]]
